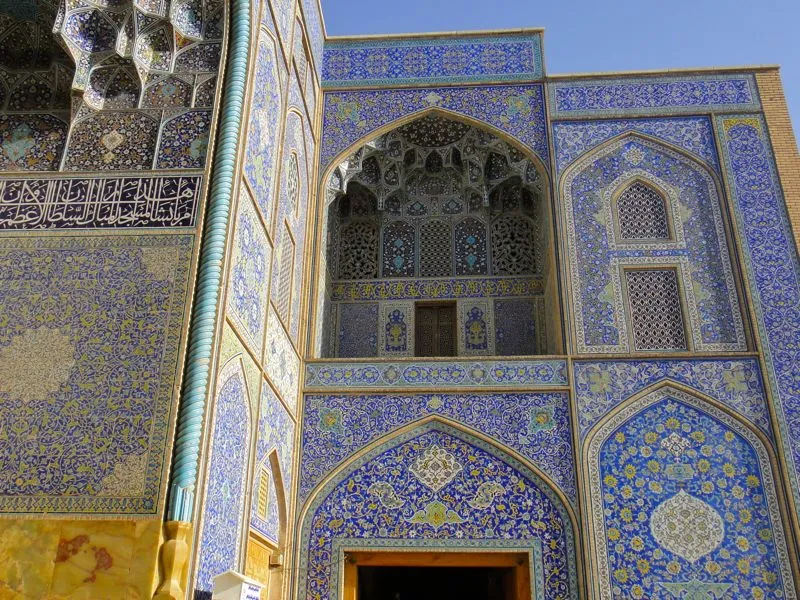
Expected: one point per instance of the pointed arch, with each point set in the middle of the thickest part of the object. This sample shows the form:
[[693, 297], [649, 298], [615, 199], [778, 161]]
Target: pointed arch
[[221, 531], [387, 440], [271, 466], [644, 137], [310, 524], [657, 221], [328, 169], [714, 313], [682, 453]]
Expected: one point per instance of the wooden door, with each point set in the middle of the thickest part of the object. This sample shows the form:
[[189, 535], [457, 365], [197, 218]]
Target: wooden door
[[435, 330]]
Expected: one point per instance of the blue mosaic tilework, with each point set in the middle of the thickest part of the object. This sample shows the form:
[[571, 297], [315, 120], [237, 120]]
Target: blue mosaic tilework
[[653, 95], [602, 386], [275, 433], [184, 141], [99, 202], [249, 274], [693, 134], [515, 327], [292, 210], [110, 312], [534, 424], [698, 247], [424, 373], [393, 494], [363, 63], [31, 142], [112, 141], [773, 270], [421, 289], [262, 149], [358, 330], [316, 34], [517, 110], [223, 509], [684, 505], [283, 12]]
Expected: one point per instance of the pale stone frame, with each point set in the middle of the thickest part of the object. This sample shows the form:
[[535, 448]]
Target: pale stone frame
[[573, 294], [469, 435], [598, 568]]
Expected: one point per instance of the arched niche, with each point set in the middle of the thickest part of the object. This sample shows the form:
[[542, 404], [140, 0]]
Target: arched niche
[[219, 546], [437, 209], [702, 286], [682, 500], [436, 487]]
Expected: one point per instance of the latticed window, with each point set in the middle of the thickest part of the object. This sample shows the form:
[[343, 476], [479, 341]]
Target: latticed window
[[398, 249], [358, 251], [656, 313], [286, 264], [642, 213], [263, 492], [292, 182], [513, 251], [435, 249]]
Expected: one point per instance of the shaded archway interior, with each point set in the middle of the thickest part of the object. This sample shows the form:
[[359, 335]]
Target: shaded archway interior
[[438, 243]]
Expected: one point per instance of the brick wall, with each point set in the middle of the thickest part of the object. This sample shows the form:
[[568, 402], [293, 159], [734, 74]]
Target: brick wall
[[783, 141]]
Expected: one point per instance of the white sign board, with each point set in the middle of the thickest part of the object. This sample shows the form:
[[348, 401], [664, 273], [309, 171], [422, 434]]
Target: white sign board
[[234, 586]]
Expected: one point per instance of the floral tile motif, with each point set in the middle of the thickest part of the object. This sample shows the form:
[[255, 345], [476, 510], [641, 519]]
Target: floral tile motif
[[31, 142], [112, 141], [275, 433], [772, 269], [283, 10], [517, 332], [184, 141], [111, 310], [500, 58], [603, 385], [394, 506], [428, 289], [653, 95], [249, 275], [682, 498], [316, 34], [360, 337], [281, 361], [517, 110], [698, 251], [424, 373], [262, 136], [99, 202], [534, 424], [223, 506], [694, 134]]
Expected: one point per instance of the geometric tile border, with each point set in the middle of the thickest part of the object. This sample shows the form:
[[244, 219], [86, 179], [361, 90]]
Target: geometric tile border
[[653, 95], [772, 269], [425, 373]]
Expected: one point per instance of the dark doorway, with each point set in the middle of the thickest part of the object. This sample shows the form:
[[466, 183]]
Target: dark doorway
[[436, 583], [435, 329]]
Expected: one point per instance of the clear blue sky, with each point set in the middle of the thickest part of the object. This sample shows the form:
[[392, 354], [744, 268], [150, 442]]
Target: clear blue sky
[[620, 35]]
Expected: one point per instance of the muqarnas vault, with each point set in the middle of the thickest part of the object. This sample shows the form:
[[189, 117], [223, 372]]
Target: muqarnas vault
[[304, 308]]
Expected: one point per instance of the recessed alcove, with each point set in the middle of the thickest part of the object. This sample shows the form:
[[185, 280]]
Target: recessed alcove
[[438, 213]]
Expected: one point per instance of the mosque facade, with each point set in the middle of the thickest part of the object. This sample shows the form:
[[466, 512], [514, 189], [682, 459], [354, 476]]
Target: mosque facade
[[303, 307]]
